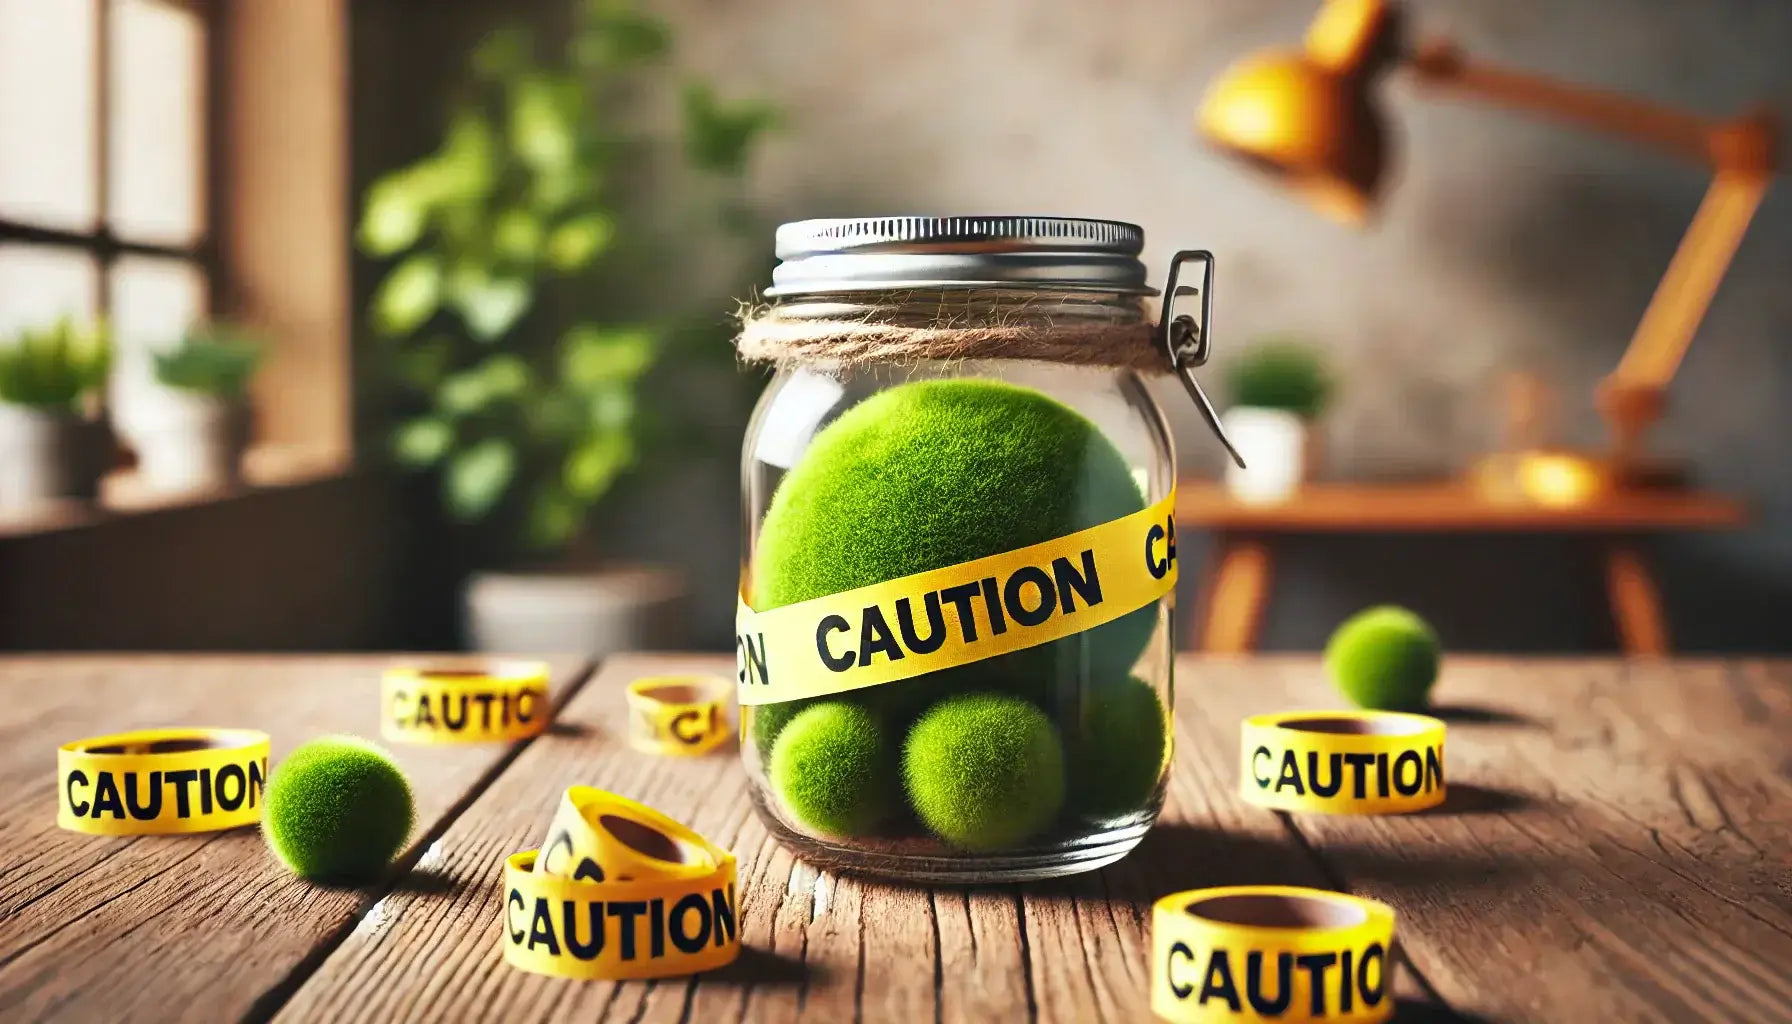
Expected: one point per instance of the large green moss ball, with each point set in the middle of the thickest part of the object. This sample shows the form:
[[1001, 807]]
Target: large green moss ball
[[936, 472], [833, 768], [1384, 658], [984, 771], [337, 810], [1118, 757]]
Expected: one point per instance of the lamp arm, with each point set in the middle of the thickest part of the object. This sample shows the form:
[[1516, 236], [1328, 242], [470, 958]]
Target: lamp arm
[[1443, 64], [1631, 397], [1741, 152]]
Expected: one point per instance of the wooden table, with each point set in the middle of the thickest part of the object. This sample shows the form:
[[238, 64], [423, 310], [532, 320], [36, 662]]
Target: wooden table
[[1615, 847], [1238, 583]]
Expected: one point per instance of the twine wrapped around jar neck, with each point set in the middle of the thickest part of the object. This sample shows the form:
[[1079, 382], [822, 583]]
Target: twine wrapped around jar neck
[[909, 327]]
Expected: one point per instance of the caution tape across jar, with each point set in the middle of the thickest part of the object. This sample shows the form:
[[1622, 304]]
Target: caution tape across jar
[[963, 613]]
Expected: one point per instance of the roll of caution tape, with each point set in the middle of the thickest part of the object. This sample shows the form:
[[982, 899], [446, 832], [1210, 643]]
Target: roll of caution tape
[[497, 702], [601, 837], [680, 715], [1343, 762], [160, 781], [655, 924], [1271, 953]]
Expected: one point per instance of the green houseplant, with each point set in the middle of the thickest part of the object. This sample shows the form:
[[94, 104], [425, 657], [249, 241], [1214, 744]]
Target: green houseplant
[[522, 313], [215, 360], [1279, 386], [191, 432], [49, 447]]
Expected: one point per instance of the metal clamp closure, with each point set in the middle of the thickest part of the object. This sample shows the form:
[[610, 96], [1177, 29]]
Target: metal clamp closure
[[1188, 342]]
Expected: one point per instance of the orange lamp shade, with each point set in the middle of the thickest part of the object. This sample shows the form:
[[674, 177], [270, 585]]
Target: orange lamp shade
[[1303, 123], [1308, 116]]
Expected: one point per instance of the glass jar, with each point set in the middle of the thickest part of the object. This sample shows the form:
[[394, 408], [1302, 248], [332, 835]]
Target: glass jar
[[955, 637]]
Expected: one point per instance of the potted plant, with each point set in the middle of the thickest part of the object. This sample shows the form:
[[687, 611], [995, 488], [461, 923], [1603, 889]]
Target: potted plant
[[191, 431], [49, 446], [1279, 386], [516, 328]]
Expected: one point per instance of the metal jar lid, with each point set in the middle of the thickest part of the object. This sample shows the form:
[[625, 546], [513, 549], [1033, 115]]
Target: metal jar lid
[[890, 253]]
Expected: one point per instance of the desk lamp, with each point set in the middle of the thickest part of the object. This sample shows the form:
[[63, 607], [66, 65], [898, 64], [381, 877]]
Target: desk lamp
[[1311, 117]]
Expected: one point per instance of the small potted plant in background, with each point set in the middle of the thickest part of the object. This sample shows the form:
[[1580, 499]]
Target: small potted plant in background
[[50, 447], [191, 435], [517, 327], [1279, 386]]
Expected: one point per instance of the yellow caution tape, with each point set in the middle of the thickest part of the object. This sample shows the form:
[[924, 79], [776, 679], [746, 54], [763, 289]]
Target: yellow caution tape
[[1271, 953], [1343, 762], [957, 615], [669, 917], [160, 781], [680, 715], [601, 837], [453, 704]]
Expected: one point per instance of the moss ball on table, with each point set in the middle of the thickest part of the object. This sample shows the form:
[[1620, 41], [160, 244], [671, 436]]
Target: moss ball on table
[[936, 472], [338, 810], [1385, 658], [1121, 743], [984, 771], [833, 768]]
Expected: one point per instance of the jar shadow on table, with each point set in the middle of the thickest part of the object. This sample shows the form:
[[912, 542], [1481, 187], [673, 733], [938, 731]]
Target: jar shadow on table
[[1177, 856]]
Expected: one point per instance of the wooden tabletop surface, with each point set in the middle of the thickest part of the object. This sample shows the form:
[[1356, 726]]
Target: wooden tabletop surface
[[1617, 845]]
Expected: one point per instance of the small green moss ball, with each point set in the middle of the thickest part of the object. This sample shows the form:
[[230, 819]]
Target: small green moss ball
[[1384, 658], [834, 768], [984, 771], [1122, 740], [770, 719], [337, 810], [936, 472]]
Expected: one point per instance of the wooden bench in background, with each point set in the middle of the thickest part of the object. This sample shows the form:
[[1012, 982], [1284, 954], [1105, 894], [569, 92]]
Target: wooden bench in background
[[1236, 590]]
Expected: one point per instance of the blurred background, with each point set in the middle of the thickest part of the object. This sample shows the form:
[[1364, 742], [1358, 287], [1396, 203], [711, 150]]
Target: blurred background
[[404, 323]]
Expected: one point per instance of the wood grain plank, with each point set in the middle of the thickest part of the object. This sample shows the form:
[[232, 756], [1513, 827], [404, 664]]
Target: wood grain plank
[[817, 947], [1614, 846], [172, 927]]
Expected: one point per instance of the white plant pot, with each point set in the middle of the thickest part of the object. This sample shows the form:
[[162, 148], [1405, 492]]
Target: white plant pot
[[1275, 447], [188, 442], [594, 613], [46, 455]]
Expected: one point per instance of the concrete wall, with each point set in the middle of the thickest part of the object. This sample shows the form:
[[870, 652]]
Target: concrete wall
[[1506, 243]]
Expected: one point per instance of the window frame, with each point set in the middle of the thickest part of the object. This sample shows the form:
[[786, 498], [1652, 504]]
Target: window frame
[[104, 245]]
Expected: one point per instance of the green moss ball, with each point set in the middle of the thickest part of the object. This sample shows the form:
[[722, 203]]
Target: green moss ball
[[1384, 658], [337, 810], [984, 771], [833, 768], [936, 472], [1118, 757], [770, 719]]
